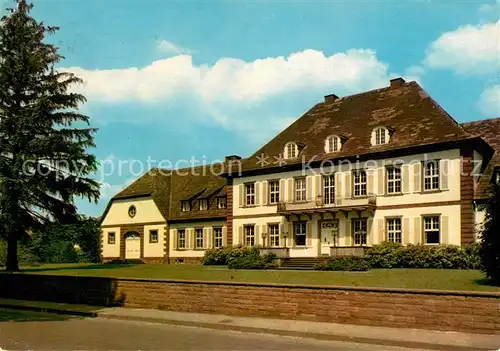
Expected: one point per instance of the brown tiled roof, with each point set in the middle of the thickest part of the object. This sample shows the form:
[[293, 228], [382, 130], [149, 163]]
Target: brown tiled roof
[[489, 130], [414, 118]]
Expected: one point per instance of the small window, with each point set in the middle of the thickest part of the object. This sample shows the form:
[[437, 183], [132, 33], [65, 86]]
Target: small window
[[249, 235], [203, 204], [217, 237], [359, 183], [274, 191], [111, 238], [291, 150], [250, 194], [332, 144], [199, 238], [299, 233], [181, 238], [432, 232], [393, 180], [221, 202], [394, 230], [274, 235], [153, 236], [380, 136], [329, 189], [496, 177], [300, 189], [185, 207], [132, 211], [431, 175], [359, 231]]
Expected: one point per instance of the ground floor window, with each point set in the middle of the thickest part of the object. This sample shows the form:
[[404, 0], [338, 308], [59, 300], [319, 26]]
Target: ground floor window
[[111, 238], [274, 235], [359, 231], [181, 238], [394, 230], [153, 236], [299, 233], [217, 237], [199, 238], [249, 235], [431, 230]]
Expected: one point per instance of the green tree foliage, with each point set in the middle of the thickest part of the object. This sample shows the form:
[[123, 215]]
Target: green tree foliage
[[490, 237], [43, 159]]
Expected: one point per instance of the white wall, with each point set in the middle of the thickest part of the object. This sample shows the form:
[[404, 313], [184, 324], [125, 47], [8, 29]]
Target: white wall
[[207, 226], [110, 250], [154, 249], [147, 212]]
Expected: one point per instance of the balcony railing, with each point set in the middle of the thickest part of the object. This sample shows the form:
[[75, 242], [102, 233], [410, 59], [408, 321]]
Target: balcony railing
[[319, 203]]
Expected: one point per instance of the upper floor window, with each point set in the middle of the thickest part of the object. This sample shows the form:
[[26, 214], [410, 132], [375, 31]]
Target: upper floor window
[[221, 202], [291, 150], [329, 189], [431, 175], [394, 230], [250, 194], [274, 191], [185, 207], [394, 180], [359, 183], [217, 237], [203, 204], [332, 144], [380, 136], [300, 189], [431, 230]]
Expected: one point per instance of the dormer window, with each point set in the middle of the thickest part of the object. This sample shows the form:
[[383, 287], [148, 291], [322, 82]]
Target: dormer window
[[332, 144], [203, 204], [380, 136], [291, 150], [185, 207], [496, 177]]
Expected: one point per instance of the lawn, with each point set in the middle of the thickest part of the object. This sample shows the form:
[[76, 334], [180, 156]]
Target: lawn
[[395, 278]]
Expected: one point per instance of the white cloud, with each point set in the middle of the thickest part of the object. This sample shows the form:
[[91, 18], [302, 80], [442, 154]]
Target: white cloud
[[109, 190], [467, 50], [171, 48], [489, 102], [491, 10]]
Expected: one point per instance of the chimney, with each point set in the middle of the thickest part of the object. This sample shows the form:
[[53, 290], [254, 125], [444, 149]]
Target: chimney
[[330, 98], [232, 158], [397, 82]]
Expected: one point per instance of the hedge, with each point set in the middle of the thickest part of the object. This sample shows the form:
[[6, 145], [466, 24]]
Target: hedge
[[239, 258], [344, 263]]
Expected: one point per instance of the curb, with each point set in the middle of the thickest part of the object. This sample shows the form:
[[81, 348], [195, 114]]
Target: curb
[[50, 310]]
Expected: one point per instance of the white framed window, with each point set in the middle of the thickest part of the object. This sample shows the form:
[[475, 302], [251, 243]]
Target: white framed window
[[432, 231], [203, 204], [394, 231], [359, 182], [299, 233], [153, 236], [380, 136], [431, 175], [300, 189], [185, 207], [291, 150], [393, 180], [217, 237], [359, 229], [181, 238], [332, 144], [249, 235], [274, 234], [329, 189], [250, 194], [274, 191], [221, 202], [111, 238], [198, 232]]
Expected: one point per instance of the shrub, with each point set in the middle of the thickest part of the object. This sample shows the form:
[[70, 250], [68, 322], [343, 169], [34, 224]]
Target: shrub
[[246, 258], [490, 238], [385, 255], [217, 257], [344, 263]]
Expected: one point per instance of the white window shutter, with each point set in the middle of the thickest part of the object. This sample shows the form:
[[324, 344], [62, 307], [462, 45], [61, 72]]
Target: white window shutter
[[258, 238], [263, 229], [309, 189], [347, 184], [309, 234], [444, 230], [257, 193], [175, 239], [417, 177], [380, 231], [372, 138], [405, 240], [210, 243], [317, 183], [289, 192], [381, 181], [417, 231], [265, 193], [370, 179], [205, 238], [241, 239], [282, 190], [370, 232], [224, 236], [190, 237], [347, 232], [443, 174], [338, 186], [241, 193], [405, 179], [290, 234]]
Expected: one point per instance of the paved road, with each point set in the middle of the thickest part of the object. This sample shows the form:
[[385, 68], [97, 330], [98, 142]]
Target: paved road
[[41, 331]]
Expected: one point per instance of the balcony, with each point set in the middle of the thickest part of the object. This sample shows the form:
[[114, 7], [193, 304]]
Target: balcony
[[318, 205]]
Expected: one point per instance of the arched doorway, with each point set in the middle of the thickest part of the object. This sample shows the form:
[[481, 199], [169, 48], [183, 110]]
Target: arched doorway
[[132, 246]]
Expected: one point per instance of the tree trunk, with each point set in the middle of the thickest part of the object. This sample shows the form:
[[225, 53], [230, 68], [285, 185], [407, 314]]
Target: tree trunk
[[12, 261]]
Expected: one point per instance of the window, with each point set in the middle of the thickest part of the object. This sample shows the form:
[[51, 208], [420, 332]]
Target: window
[[274, 191], [496, 177], [431, 230], [221, 202], [299, 233], [394, 230], [394, 180], [185, 206], [274, 235], [359, 183], [359, 231], [380, 136], [332, 144], [431, 175], [250, 194], [153, 236], [111, 238], [199, 238], [132, 211], [181, 238], [329, 189], [300, 189], [217, 237], [203, 204], [249, 235], [291, 150]]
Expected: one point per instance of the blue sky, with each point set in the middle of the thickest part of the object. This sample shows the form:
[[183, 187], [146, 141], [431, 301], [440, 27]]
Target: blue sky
[[174, 80]]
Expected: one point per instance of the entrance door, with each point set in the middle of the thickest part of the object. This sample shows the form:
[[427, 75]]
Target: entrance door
[[329, 235], [132, 247]]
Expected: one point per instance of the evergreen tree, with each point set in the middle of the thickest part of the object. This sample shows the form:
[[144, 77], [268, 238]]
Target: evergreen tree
[[43, 138], [490, 238]]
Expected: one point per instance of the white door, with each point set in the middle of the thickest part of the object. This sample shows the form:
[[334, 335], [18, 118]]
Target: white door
[[329, 235], [132, 247]]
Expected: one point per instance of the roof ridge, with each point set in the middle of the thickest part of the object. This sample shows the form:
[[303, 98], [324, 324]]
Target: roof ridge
[[480, 121]]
